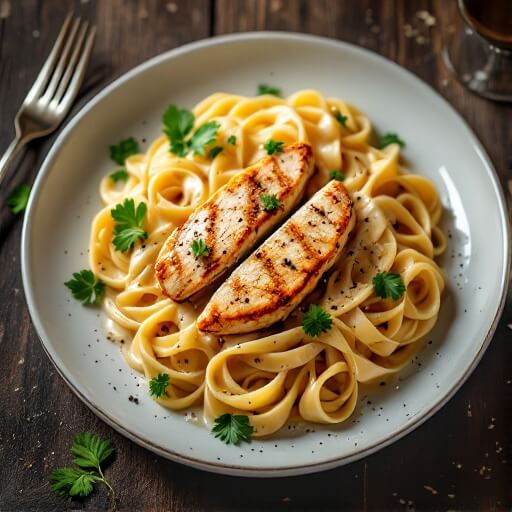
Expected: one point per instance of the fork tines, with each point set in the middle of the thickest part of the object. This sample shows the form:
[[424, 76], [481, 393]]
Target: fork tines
[[59, 79]]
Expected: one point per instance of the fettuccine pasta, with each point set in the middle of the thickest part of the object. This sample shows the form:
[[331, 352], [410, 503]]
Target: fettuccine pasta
[[281, 372]]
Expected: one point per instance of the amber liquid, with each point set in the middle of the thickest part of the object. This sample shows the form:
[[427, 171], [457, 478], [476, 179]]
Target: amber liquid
[[490, 18]]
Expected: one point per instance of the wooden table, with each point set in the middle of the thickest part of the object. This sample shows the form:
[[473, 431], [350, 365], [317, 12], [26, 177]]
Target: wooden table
[[457, 460]]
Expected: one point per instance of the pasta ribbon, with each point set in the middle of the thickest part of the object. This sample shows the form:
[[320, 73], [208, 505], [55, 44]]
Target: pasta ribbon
[[280, 374]]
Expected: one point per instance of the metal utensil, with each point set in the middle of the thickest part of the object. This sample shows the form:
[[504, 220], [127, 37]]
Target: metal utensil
[[55, 88]]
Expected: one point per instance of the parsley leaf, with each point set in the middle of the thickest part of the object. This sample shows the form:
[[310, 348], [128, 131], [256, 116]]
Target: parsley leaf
[[125, 148], [86, 287], [199, 248], [316, 321], [158, 385], [179, 147], [215, 151], [273, 146], [390, 138], [336, 175], [270, 202], [203, 136], [90, 451], [233, 428], [119, 175], [232, 139], [73, 482], [340, 118], [269, 89], [129, 225], [177, 122], [388, 284], [18, 200], [126, 237]]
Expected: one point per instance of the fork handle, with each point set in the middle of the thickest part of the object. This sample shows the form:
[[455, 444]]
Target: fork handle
[[10, 153]]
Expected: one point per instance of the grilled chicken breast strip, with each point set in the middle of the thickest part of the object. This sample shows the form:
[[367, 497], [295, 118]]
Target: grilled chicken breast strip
[[232, 221], [275, 278]]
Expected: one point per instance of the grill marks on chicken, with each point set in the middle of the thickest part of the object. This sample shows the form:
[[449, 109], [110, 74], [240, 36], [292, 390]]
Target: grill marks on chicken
[[273, 280], [232, 221]]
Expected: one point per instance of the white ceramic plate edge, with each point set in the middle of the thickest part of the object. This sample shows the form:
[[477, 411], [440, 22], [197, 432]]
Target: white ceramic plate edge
[[421, 417]]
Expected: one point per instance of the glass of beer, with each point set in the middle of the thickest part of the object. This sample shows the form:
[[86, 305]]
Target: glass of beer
[[479, 51]]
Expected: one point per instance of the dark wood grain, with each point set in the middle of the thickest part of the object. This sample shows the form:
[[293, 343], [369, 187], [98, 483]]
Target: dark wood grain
[[462, 452]]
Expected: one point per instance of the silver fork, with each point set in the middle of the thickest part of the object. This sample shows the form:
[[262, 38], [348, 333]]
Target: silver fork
[[55, 88]]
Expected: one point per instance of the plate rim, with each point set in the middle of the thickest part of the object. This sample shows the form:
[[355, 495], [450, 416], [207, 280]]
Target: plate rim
[[220, 467]]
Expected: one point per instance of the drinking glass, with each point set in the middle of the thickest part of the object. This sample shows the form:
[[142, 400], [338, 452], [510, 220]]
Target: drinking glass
[[479, 50]]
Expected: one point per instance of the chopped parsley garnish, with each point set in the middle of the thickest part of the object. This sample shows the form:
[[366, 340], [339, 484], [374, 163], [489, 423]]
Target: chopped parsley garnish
[[215, 151], [129, 224], [199, 248], [158, 385], [18, 200], [121, 151], [340, 118], [390, 138], [316, 321], [86, 287], [269, 89], [178, 123], [388, 285], [270, 202], [119, 175], [203, 136], [233, 428], [232, 140], [336, 175], [90, 452], [273, 146]]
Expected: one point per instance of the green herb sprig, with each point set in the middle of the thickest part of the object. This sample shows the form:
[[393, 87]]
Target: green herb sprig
[[215, 151], [337, 175], [340, 118], [203, 136], [269, 89], [273, 146], [199, 248], [119, 153], [233, 428], [18, 200], [388, 285], [90, 454], [158, 385], [129, 224], [178, 123], [390, 138], [119, 175], [86, 287], [270, 202], [123, 149], [316, 321]]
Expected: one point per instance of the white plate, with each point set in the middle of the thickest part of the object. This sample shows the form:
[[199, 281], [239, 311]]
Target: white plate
[[439, 145]]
